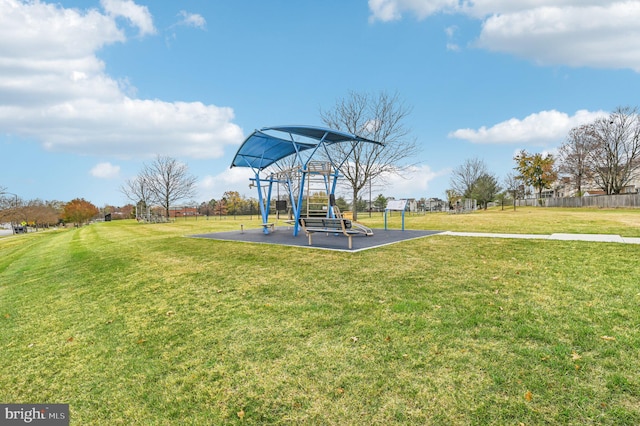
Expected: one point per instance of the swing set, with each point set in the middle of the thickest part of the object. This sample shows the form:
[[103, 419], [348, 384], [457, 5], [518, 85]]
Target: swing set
[[310, 183]]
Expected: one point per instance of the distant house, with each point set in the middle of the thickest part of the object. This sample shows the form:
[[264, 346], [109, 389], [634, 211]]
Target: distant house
[[436, 205], [565, 188], [183, 211]]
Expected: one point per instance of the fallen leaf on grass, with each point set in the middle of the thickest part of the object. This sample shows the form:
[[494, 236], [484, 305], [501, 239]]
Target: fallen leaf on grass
[[354, 339], [528, 396], [141, 341], [609, 338], [387, 339], [241, 414], [7, 316], [70, 339], [575, 356], [170, 313], [577, 367], [339, 391]]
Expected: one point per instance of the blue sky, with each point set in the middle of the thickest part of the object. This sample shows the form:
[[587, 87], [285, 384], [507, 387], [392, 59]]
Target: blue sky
[[92, 89]]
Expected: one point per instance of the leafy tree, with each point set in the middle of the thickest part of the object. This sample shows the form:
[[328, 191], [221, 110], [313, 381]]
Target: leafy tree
[[250, 206], [220, 208], [79, 211], [40, 213], [452, 196], [205, 209], [502, 197], [380, 118], [484, 189], [380, 202], [536, 170], [342, 204], [361, 205], [233, 202]]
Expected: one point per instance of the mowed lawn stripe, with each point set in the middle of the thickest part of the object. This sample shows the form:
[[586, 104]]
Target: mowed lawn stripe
[[135, 324]]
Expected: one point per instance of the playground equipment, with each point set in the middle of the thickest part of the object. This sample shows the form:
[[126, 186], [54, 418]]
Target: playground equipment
[[309, 182]]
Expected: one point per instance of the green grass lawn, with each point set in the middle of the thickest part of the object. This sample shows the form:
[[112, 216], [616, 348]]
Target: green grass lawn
[[136, 324]]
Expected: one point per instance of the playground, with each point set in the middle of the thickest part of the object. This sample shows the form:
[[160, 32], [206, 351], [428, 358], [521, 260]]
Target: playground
[[300, 160], [296, 166], [321, 240]]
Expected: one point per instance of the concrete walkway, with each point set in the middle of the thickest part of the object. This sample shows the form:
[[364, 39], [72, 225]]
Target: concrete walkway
[[602, 238]]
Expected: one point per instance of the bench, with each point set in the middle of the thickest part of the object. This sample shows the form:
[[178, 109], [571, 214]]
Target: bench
[[310, 225]]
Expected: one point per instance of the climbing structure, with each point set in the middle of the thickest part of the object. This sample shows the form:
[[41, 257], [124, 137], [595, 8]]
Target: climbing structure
[[312, 176]]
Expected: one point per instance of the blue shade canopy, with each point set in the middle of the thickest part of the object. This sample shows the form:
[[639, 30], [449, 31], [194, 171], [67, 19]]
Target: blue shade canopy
[[270, 144]]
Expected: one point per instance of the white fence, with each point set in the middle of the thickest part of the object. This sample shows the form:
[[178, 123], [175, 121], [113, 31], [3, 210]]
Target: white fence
[[601, 201]]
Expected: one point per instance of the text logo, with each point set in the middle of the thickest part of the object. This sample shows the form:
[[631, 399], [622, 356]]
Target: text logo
[[34, 414]]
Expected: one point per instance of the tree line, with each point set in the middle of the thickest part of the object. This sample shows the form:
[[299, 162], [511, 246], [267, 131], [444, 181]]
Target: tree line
[[43, 214], [604, 154]]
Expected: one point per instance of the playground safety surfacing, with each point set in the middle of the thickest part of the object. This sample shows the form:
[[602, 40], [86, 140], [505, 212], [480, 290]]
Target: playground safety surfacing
[[333, 241]]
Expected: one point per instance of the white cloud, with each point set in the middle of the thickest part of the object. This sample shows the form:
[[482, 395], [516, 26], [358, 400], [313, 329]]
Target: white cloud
[[54, 89], [105, 171], [414, 182], [606, 36], [594, 33], [451, 35], [234, 179], [392, 10], [540, 128], [192, 20], [139, 16]]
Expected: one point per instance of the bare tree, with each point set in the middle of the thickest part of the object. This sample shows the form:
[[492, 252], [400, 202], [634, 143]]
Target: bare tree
[[138, 191], [614, 158], [573, 156], [514, 186], [464, 177], [10, 207], [169, 181], [380, 118]]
